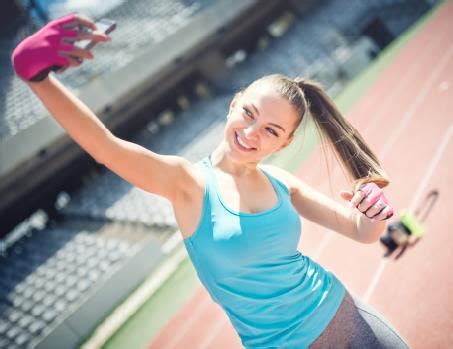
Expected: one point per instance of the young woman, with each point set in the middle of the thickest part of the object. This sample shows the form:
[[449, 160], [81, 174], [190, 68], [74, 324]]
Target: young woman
[[240, 220]]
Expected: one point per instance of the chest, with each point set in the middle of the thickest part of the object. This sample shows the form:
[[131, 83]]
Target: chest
[[238, 242], [248, 196]]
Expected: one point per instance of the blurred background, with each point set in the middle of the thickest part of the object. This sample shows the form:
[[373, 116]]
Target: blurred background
[[77, 241]]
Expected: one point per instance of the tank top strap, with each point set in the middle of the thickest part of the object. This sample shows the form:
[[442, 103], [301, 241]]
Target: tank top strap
[[208, 174], [205, 221], [277, 184]]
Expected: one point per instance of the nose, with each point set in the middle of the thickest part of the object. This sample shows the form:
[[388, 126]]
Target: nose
[[251, 131]]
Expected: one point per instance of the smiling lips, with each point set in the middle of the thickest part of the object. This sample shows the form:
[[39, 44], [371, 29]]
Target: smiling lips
[[241, 144]]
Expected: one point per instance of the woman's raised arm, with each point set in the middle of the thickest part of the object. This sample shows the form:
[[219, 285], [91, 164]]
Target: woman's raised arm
[[160, 174], [53, 47]]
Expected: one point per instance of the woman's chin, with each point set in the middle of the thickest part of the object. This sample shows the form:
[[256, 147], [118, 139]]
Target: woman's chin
[[239, 156]]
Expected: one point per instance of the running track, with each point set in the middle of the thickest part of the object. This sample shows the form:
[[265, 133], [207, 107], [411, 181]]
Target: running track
[[406, 118]]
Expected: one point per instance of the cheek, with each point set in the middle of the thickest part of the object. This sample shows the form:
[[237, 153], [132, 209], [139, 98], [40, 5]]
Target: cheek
[[235, 121], [269, 143], [276, 143], [230, 127]]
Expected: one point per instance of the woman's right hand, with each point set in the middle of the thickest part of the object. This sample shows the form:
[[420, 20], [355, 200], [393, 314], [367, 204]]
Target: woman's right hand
[[53, 48]]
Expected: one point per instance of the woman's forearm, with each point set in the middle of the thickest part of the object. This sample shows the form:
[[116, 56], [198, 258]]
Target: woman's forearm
[[73, 115], [369, 231]]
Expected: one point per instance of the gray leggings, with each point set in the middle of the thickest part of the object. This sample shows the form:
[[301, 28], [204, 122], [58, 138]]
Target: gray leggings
[[357, 325]]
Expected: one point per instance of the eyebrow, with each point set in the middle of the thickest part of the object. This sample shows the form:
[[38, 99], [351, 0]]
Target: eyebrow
[[271, 123]]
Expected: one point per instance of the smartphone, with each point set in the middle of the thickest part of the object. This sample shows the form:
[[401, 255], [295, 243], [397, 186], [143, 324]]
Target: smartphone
[[104, 25]]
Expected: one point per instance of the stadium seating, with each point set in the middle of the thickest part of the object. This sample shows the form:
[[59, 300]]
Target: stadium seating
[[66, 276], [142, 23]]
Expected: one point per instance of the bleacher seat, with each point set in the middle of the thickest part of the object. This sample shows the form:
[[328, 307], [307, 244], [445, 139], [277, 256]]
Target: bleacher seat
[[141, 23], [49, 273]]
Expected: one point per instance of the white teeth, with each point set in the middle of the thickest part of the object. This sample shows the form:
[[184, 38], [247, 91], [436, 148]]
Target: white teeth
[[241, 143]]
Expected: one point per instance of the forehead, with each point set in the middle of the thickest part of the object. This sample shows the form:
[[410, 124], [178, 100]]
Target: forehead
[[270, 104]]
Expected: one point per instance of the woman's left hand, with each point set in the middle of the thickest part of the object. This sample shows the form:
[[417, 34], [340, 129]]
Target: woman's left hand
[[371, 201]]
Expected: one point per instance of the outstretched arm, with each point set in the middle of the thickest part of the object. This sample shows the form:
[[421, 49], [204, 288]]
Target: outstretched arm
[[53, 47], [319, 208], [159, 174]]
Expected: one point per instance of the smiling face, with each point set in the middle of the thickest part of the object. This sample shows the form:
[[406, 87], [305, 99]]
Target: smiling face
[[260, 122]]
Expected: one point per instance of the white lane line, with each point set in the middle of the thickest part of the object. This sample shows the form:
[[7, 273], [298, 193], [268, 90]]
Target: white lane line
[[194, 315], [427, 87], [421, 188], [213, 334], [435, 160], [324, 242], [428, 43], [391, 97], [396, 134], [136, 300], [172, 242]]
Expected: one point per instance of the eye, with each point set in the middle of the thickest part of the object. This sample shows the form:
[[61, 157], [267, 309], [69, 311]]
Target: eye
[[248, 112], [272, 131]]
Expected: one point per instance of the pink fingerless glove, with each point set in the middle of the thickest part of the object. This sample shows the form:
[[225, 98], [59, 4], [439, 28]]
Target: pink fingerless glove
[[38, 54], [376, 194]]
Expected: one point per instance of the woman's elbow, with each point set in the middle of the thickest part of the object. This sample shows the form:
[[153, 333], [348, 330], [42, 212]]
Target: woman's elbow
[[106, 148]]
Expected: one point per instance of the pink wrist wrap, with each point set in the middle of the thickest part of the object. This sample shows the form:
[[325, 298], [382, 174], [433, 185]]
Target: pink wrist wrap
[[39, 53], [374, 194]]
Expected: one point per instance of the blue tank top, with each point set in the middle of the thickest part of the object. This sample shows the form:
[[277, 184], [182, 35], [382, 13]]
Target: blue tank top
[[249, 263]]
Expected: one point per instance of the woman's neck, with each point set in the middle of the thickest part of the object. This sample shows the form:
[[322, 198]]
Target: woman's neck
[[221, 160]]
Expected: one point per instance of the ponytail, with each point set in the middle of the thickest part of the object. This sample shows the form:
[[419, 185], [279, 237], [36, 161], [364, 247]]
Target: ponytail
[[354, 154]]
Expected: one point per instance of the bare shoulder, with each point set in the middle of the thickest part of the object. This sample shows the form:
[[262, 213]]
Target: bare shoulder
[[284, 176]]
